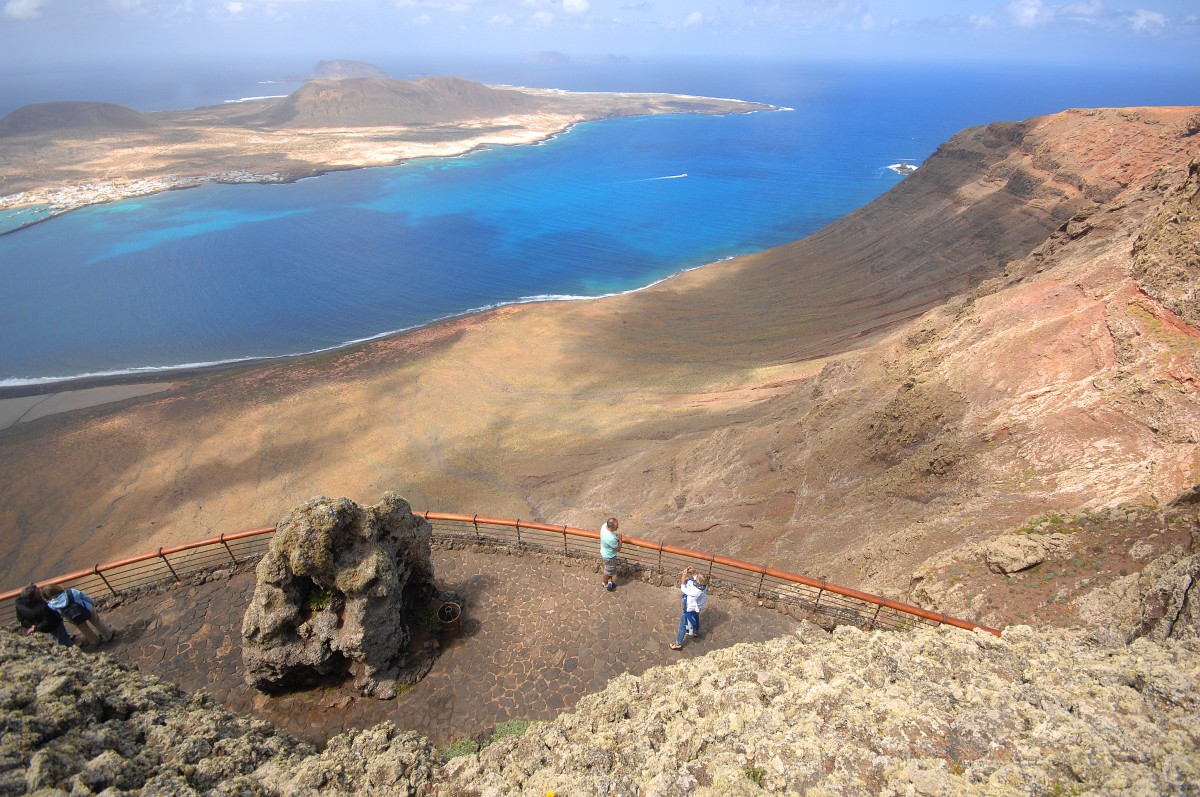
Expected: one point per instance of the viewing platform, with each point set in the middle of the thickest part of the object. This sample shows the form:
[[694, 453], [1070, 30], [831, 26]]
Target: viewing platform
[[537, 630], [535, 637]]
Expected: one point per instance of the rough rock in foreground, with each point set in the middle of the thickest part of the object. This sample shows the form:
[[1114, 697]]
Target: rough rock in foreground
[[932, 712], [333, 593]]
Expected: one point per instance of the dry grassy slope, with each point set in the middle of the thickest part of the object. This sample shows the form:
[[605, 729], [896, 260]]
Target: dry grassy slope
[[777, 408]]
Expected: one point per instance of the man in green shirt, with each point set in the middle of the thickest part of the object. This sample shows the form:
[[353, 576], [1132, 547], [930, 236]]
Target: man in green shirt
[[610, 544]]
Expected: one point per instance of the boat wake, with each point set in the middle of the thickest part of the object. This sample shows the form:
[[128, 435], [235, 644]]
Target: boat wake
[[654, 179]]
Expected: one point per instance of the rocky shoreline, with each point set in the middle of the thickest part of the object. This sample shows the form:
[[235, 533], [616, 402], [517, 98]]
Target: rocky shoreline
[[57, 200]]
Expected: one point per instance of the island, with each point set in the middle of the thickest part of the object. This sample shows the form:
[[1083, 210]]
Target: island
[[59, 156]]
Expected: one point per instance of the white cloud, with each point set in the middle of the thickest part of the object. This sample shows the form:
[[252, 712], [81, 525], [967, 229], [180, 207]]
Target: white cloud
[[23, 9], [575, 6], [1147, 20], [982, 22], [500, 20], [455, 6], [234, 7], [542, 19], [1029, 13], [693, 19]]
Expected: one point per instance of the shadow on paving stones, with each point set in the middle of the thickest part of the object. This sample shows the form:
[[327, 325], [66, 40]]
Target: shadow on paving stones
[[712, 619], [472, 588], [129, 634]]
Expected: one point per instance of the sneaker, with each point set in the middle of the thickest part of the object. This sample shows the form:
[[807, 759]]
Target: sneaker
[[610, 586]]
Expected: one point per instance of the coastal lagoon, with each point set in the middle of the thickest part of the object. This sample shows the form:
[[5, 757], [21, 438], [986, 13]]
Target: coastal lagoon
[[226, 273]]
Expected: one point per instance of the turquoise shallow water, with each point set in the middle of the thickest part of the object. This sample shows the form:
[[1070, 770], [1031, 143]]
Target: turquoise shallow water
[[229, 272]]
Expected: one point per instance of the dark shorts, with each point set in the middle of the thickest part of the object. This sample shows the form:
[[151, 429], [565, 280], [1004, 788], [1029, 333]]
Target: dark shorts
[[610, 565]]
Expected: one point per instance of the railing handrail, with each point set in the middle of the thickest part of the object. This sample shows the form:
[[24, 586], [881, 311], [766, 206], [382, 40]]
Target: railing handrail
[[763, 571], [737, 564]]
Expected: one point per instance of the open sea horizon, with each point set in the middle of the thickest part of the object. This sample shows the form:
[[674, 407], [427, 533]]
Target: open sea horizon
[[227, 273]]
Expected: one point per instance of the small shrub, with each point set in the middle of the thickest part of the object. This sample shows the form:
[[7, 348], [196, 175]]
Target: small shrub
[[316, 600], [510, 728], [755, 773], [464, 746]]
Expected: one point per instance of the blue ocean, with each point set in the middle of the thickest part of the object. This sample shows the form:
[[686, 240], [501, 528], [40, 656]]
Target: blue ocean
[[228, 273]]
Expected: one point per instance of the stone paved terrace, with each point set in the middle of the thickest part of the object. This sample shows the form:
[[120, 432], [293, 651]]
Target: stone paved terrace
[[537, 634]]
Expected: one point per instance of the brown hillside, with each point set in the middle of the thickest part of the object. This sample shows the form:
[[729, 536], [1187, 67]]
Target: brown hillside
[[374, 102], [78, 118], [990, 341]]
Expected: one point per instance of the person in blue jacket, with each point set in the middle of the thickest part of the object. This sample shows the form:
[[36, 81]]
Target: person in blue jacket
[[694, 587], [79, 610]]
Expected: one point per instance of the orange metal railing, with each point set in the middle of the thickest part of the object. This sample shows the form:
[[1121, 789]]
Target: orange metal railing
[[838, 603]]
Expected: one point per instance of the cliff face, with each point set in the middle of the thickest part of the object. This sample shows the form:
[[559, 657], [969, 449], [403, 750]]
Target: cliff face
[[934, 712], [1062, 379]]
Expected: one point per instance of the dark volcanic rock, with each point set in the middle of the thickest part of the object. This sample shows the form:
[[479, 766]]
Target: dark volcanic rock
[[333, 594], [1171, 608]]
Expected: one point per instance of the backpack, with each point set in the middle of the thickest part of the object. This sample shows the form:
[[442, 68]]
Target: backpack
[[76, 612]]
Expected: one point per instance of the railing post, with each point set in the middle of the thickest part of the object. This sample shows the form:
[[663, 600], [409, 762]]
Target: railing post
[[711, 558], [475, 523], [228, 550], [761, 576], [878, 606], [518, 531], [564, 543], [168, 562], [96, 570], [820, 592]]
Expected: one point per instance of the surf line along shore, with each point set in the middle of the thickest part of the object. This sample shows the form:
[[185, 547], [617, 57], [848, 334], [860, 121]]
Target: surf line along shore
[[272, 139], [277, 148]]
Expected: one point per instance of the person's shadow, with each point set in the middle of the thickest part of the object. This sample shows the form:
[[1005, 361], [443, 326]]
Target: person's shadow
[[713, 619]]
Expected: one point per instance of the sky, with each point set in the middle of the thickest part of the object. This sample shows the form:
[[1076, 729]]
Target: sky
[[1157, 32]]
